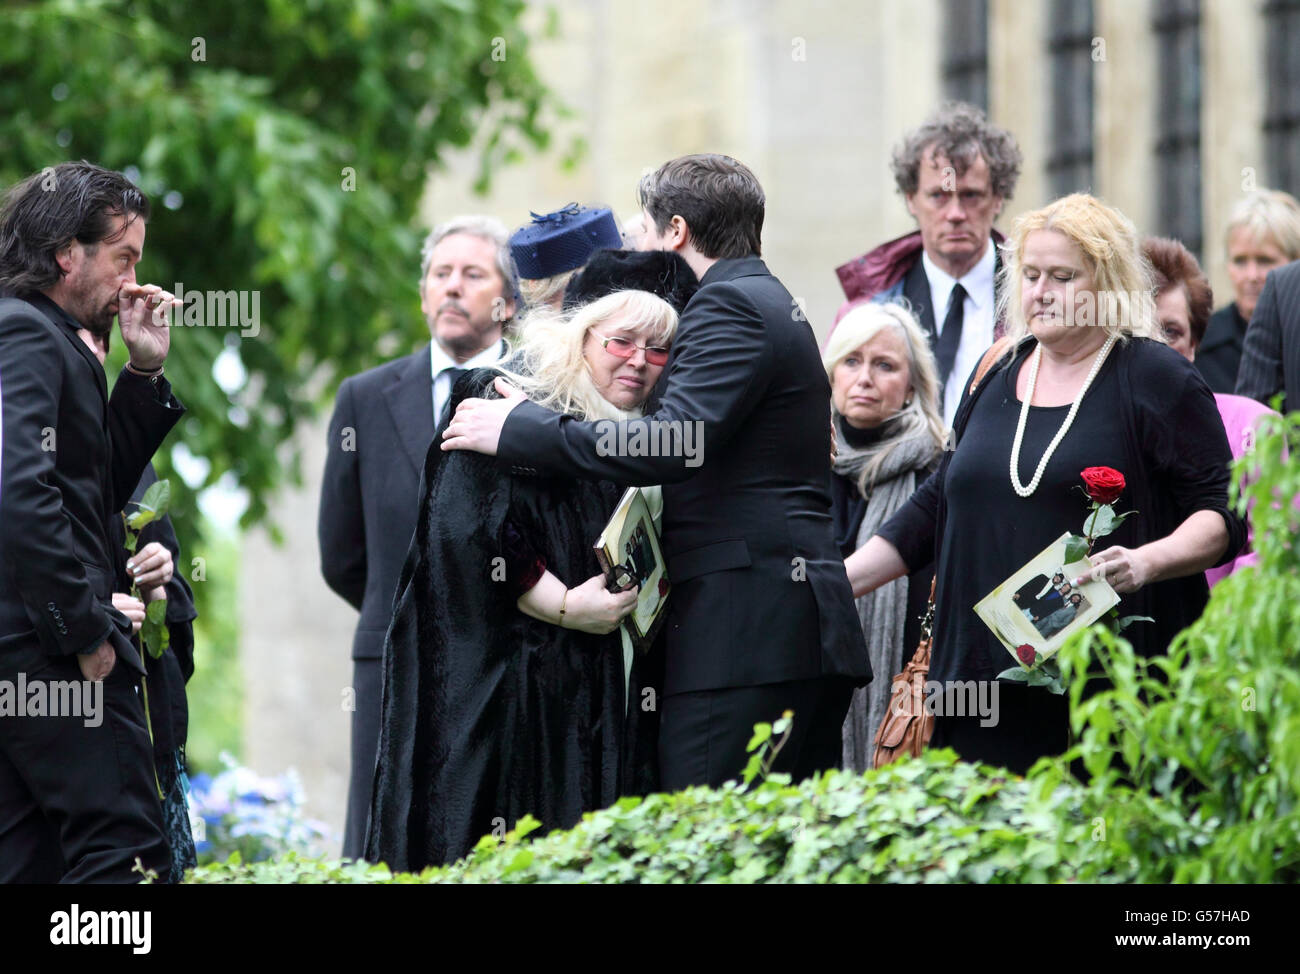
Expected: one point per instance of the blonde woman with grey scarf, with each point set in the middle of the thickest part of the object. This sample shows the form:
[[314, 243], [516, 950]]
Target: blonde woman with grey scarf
[[889, 436]]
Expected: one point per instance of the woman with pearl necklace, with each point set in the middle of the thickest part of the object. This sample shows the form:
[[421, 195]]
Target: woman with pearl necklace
[[1086, 380]]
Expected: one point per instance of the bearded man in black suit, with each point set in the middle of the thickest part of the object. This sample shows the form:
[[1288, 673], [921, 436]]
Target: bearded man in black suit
[[78, 796], [761, 617]]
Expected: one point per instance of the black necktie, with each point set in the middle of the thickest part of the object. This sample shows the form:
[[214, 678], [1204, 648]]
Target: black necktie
[[455, 372], [945, 349]]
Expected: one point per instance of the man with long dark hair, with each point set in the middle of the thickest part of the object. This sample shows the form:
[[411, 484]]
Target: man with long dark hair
[[79, 800]]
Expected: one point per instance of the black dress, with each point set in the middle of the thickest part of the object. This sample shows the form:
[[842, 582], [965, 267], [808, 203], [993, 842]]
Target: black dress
[[489, 714], [1149, 415]]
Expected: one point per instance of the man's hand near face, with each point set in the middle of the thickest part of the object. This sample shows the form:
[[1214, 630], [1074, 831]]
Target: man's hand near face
[[143, 316]]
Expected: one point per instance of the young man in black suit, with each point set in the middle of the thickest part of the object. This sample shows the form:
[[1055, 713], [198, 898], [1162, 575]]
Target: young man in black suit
[[78, 797], [384, 420], [761, 616]]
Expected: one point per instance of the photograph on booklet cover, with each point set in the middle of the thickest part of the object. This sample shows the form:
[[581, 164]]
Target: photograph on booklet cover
[[629, 554], [1040, 606]]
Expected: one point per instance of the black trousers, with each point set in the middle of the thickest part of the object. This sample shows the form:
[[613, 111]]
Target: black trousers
[[367, 684], [702, 735], [78, 803]]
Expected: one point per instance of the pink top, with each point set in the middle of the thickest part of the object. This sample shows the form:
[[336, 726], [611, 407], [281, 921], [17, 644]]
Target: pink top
[[1240, 414]]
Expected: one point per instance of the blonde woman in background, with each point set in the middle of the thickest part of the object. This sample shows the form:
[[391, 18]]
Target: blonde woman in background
[[1263, 233]]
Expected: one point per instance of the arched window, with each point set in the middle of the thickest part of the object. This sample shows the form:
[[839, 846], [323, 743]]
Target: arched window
[[1177, 169], [965, 67], [1282, 101], [1069, 51]]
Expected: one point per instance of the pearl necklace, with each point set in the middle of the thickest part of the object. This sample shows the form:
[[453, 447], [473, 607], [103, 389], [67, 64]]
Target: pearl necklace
[[1065, 427]]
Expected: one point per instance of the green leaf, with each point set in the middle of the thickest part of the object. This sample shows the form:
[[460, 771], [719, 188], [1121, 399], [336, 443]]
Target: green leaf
[[762, 734], [1076, 548], [1040, 677], [1017, 674], [154, 631], [1101, 522], [157, 498], [139, 519]]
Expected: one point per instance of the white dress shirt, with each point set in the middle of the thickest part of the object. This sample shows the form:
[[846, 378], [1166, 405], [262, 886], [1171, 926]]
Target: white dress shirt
[[442, 379], [978, 318]]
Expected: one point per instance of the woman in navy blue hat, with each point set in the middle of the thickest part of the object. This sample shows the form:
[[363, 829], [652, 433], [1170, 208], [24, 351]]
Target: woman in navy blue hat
[[551, 249]]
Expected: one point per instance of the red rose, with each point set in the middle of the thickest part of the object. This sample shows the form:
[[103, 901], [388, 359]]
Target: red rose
[[1026, 654], [663, 587], [1104, 484]]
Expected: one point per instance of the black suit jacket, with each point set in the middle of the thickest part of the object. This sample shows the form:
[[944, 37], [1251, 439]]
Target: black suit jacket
[[916, 288], [378, 437], [759, 589], [1270, 356], [1218, 356], [71, 457]]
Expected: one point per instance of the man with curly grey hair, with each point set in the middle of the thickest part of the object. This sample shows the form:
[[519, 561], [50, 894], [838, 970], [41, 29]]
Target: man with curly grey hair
[[954, 172]]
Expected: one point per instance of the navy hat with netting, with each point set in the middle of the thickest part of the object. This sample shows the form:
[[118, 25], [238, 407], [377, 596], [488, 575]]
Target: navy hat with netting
[[557, 242]]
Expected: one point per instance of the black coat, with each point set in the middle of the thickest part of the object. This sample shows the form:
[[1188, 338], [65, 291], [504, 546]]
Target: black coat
[[72, 456], [759, 592], [1218, 356], [378, 437], [489, 714], [1270, 357], [168, 706]]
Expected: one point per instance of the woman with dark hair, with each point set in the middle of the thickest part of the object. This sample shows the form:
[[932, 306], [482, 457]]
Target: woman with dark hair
[[1084, 382], [1183, 302], [509, 686]]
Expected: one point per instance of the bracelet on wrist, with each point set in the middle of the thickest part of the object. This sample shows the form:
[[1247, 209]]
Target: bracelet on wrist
[[563, 601], [146, 373]]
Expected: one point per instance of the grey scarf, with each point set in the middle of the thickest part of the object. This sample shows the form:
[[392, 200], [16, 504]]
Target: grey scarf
[[883, 613]]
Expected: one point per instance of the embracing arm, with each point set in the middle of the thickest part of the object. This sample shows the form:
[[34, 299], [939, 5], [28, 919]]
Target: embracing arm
[[721, 357]]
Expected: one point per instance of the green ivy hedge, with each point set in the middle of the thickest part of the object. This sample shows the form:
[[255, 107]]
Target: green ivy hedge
[[1193, 761], [934, 819]]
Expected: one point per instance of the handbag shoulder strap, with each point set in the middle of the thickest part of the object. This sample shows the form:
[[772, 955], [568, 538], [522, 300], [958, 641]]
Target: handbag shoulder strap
[[995, 352]]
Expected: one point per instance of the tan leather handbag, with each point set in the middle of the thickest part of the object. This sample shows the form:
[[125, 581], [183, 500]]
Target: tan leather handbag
[[907, 727]]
